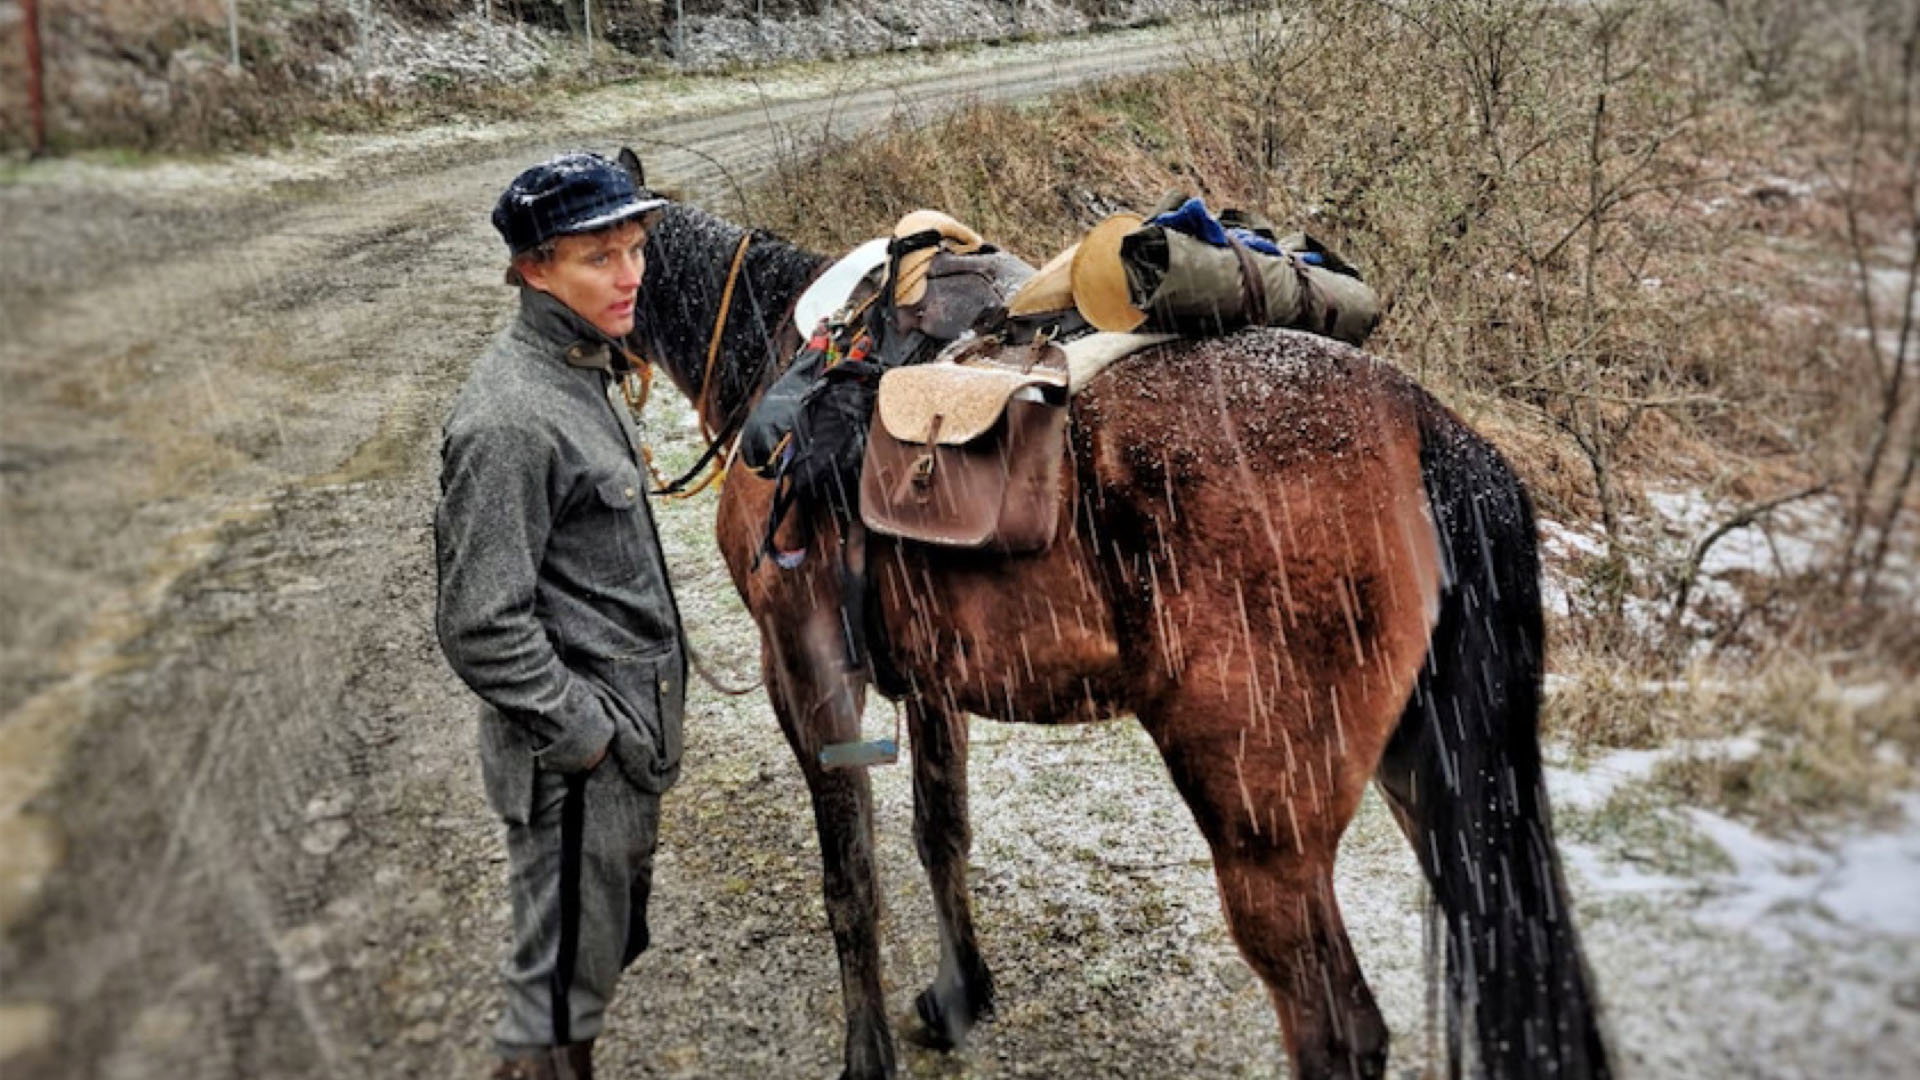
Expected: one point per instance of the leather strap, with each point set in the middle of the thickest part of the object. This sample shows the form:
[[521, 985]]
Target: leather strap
[[1253, 287], [720, 324]]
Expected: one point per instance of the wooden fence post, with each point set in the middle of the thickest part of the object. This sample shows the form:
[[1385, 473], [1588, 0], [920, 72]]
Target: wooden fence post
[[36, 71]]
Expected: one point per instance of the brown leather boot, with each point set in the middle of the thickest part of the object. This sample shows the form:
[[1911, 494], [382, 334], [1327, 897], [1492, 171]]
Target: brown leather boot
[[573, 1061]]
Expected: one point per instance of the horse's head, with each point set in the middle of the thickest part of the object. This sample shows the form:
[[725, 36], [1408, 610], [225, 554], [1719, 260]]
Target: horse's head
[[685, 299]]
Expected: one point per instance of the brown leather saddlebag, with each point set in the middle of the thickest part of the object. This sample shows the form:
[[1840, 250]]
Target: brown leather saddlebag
[[967, 456]]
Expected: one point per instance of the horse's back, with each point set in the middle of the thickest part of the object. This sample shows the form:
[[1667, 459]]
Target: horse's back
[[1264, 518]]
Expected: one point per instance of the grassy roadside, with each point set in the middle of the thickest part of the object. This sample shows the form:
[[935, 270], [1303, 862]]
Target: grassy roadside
[[1633, 247]]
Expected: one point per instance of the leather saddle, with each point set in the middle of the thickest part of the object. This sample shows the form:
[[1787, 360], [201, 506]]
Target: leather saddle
[[965, 451]]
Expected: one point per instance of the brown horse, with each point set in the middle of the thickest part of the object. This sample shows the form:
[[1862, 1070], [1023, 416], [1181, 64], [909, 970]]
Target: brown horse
[[1300, 573]]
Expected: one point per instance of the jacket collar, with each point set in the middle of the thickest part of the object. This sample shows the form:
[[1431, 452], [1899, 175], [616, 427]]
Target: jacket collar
[[577, 341]]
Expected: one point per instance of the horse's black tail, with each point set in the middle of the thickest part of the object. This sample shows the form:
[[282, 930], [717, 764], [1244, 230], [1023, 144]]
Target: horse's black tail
[[1464, 768]]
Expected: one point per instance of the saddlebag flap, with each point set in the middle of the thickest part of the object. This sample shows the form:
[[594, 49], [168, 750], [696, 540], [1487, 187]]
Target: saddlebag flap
[[968, 456]]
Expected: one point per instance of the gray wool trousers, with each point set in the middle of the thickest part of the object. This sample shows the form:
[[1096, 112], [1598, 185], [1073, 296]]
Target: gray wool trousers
[[580, 864]]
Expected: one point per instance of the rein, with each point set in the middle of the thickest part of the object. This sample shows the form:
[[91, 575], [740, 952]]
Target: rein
[[719, 324], [643, 375], [637, 386]]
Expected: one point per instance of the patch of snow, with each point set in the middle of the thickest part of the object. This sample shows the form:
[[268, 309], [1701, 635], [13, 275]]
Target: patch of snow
[[1855, 697], [1780, 188], [1861, 882], [1587, 789], [1567, 542], [1560, 545], [1891, 283], [1554, 597], [1790, 546]]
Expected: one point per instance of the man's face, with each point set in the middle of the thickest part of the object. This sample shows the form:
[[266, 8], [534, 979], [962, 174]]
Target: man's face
[[595, 274]]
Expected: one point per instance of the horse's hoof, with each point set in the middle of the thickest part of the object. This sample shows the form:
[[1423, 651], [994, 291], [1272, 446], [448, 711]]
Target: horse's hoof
[[946, 1018], [933, 1031], [883, 1074]]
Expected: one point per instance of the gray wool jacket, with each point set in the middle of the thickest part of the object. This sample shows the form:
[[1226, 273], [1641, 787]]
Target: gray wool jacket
[[554, 603]]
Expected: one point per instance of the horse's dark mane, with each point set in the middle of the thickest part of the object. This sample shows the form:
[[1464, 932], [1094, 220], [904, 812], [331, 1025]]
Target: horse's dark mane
[[688, 254]]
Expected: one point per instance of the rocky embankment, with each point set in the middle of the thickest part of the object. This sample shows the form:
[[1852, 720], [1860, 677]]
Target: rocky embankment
[[133, 73]]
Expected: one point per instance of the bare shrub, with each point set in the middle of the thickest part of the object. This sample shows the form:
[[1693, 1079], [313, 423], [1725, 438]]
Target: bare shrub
[[1793, 748]]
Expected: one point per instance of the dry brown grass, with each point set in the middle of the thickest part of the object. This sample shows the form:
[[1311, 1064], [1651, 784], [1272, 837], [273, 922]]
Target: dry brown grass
[[1813, 749], [1787, 748]]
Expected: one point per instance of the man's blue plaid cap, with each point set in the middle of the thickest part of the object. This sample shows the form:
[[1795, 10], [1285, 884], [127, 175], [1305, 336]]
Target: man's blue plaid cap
[[573, 193]]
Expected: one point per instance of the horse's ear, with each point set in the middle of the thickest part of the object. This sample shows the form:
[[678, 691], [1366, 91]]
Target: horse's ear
[[630, 161]]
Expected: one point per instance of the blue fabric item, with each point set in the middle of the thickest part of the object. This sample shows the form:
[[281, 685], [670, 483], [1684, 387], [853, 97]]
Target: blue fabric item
[[1194, 219]]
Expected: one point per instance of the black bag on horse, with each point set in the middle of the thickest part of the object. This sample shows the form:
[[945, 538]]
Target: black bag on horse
[[818, 459]]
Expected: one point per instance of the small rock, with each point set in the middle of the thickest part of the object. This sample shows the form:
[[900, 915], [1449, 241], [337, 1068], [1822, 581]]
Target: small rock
[[161, 1026], [312, 971], [1233, 975], [1907, 995], [329, 805], [425, 1031], [325, 837], [303, 950]]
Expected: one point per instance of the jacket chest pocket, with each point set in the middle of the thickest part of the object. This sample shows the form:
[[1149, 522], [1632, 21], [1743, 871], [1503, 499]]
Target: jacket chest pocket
[[612, 528]]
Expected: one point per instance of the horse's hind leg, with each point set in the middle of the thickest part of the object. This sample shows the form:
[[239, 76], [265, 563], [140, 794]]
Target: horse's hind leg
[[1284, 917], [962, 991], [818, 704], [1274, 831]]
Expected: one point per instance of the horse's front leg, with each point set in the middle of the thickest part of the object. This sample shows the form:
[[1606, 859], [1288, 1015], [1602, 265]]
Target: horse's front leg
[[962, 991], [819, 703]]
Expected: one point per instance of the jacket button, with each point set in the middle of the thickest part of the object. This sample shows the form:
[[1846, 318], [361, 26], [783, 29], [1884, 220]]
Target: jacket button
[[630, 493]]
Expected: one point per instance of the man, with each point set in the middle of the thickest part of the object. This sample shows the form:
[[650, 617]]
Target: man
[[556, 610]]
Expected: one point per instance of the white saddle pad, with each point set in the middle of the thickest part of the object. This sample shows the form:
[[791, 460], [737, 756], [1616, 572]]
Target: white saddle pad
[[1090, 355], [830, 290]]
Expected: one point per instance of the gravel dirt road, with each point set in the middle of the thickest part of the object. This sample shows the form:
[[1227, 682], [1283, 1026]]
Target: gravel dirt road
[[241, 831]]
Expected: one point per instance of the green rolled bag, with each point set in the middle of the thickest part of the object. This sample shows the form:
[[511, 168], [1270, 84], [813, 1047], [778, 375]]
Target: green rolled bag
[[1129, 275]]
